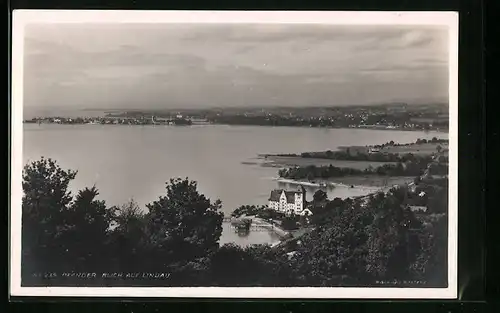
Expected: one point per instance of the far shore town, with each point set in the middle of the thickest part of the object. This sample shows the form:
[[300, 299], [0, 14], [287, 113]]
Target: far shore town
[[387, 117]]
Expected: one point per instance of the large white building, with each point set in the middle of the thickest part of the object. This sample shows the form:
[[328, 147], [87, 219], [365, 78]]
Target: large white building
[[288, 202]]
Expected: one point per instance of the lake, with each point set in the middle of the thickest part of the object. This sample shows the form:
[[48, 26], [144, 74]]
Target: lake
[[127, 162]]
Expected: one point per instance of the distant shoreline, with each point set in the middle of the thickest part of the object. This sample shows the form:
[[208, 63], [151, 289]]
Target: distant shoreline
[[342, 127], [244, 125], [429, 117]]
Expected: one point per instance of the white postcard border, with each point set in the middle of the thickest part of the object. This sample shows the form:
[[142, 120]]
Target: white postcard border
[[23, 17]]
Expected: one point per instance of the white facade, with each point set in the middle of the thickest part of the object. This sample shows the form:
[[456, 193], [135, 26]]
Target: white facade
[[287, 202]]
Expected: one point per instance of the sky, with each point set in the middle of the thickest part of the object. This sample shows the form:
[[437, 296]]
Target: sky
[[137, 66]]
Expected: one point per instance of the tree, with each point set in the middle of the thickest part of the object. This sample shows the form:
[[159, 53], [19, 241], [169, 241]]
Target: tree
[[399, 170], [60, 234], [246, 210], [283, 172], [438, 203], [334, 254], [182, 225], [128, 237], [256, 265], [320, 196], [45, 196], [432, 261], [290, 222], [322, 214], [240, 270], [87, 221], [443, 159], [392, 247]]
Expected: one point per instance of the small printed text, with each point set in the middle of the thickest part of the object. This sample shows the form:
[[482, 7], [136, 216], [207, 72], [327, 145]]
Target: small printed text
[[103, 275]]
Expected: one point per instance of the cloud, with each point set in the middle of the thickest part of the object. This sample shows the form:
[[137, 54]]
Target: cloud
[[416, 38], [218, 65]]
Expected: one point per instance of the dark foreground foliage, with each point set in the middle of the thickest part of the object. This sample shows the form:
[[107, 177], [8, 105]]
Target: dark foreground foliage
[[80, 241]]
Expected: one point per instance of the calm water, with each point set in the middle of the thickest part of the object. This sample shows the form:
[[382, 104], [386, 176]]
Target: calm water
[[135, 162]]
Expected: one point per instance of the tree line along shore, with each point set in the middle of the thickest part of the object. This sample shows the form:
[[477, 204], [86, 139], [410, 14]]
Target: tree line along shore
[[385, 236], [408, 168]]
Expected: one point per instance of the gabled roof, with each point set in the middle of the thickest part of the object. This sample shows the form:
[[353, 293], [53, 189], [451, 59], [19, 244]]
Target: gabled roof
[[290, 195], [275, 195]]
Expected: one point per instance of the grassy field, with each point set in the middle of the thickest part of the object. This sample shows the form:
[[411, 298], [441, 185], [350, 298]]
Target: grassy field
[[280, 161], [424, 148]]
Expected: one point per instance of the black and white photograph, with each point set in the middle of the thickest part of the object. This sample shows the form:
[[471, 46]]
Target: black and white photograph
[[234, 154]]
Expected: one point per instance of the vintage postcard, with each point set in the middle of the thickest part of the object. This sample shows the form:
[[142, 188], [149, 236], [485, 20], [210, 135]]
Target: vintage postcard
[[234, 154]]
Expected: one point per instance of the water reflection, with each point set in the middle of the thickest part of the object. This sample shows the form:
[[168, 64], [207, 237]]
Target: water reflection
[[248, 237], [242, 233]]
